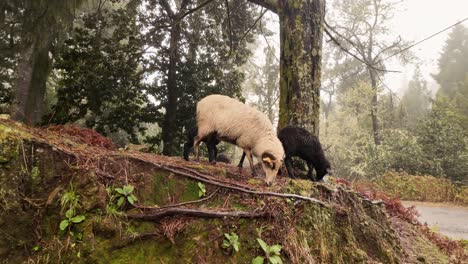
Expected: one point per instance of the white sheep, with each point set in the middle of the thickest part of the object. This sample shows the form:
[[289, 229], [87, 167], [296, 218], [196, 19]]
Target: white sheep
[[244, 126]]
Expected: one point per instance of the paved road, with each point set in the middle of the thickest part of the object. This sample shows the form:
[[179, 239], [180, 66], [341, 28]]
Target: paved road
[[447, 219]]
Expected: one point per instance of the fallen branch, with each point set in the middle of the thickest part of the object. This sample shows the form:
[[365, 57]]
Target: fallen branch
[[195, 213]]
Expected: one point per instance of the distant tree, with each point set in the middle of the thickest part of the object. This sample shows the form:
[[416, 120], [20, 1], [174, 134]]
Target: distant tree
[[416, 101], [453, 62], [262, 84], [361, 28]]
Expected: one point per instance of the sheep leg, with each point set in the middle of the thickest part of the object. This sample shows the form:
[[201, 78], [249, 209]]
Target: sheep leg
[[196, 144], [241, 162], [212, 153], [311, 167], [248, 153], [289, 167]]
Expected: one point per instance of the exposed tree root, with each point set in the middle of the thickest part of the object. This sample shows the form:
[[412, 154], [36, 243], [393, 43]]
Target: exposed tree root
[[210, 180], [156, 216]]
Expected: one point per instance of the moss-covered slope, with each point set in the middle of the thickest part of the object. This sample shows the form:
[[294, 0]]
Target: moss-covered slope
[[47, 178]]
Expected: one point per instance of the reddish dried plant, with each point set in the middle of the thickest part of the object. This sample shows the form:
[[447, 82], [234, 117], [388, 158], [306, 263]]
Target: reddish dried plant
[[83, 135]]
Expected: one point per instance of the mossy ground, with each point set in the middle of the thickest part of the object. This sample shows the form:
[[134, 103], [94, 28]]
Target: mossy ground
[[36, 169]]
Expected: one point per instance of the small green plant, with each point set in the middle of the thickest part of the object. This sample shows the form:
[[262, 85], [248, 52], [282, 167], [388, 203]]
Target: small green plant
[[71, 218], [231, 240], [70, 202], [201, 189], [272, 254], [125, 194]]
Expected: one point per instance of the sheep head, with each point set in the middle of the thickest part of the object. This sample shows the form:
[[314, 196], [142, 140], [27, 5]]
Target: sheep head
[[270, 165]]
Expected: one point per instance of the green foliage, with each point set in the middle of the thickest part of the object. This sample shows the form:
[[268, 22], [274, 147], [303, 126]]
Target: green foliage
[[70, 219], [444, 142], [101, 72], [431, 142], [272, 253], [201, 189], [399, 151], [120, 197], [231, 240]]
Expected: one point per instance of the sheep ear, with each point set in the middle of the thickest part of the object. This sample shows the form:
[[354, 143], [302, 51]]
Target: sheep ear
[[267, 160]]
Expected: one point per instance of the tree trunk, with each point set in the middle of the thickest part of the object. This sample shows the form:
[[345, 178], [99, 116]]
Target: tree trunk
[[33, 69], [301, 31], [169, 128], [374, 107]]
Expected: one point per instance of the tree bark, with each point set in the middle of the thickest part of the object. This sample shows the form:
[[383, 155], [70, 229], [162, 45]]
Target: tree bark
[[301, 33], [169, 127], [33, 69], [374, 107]]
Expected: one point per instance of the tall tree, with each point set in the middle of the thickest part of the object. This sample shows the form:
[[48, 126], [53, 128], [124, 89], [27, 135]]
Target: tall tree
[[204, 57], [416, 100], [453, 62], [301, 32], [360, 27], [42, 23], [169, 125]]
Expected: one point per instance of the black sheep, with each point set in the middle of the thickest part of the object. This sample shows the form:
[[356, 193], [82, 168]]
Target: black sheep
[[211, 142], [299, 142]]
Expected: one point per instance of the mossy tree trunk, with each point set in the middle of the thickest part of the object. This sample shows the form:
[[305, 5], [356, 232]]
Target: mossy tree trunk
[[33, 70], [301, 33], [41, 22]]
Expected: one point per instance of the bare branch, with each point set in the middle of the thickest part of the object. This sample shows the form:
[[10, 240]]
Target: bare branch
[[230, 26], [368, 64], [271, 5], [192, 10], [268, 43], [167, 8], [392, 46], [253, 25]]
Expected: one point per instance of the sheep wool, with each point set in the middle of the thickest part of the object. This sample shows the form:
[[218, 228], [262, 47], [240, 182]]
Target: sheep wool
[[237, 123]]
